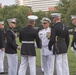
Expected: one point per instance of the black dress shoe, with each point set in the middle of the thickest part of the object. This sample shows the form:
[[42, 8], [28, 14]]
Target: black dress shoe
[[3, 72]]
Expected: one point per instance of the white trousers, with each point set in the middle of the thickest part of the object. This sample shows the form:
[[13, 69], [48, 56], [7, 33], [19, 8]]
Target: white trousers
[[41, 61], [12, 64], [25, 60], [48, 64], [62, 64], [1, 60]]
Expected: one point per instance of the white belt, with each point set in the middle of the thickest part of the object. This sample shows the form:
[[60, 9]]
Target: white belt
[[27, 41]]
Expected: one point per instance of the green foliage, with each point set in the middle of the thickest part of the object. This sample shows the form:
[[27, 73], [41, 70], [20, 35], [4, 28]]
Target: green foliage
[[15, 11], [67, 8], [21, 13], [40, 15]]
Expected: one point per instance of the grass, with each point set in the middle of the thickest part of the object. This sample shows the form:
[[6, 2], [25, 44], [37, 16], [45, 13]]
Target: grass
[[71, 58]]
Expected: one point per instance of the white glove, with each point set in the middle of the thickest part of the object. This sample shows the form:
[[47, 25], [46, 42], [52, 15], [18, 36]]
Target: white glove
[[72, 49], [35, 45], [3, 49], [19, 47]]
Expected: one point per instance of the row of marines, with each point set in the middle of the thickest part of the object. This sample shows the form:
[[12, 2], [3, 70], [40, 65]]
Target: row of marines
[[53, 43]]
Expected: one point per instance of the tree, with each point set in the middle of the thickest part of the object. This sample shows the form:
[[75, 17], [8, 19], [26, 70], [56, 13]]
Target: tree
[[21, 13], [40, 15], [67, 8], [15, 11]]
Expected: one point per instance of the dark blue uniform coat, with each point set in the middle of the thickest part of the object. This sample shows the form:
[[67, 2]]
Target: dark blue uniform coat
[[61, 31], [29, 34], [11, 46], [74, 38], [2, 36]]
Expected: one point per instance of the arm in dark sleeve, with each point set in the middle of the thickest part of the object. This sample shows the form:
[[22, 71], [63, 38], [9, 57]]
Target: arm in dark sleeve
[[40, 28], [52, 38], [74, 38], [10, 41], [2, 39], [67, 38], [38, 42]]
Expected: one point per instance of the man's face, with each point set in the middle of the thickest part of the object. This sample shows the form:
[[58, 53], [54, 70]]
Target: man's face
[[12, 24], [74, 21], [45, 24], [54, 19], [1, 26]]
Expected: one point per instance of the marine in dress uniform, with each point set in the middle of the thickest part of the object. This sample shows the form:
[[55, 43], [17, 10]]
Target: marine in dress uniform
[[73, 45], [28, 54], [47, 56], [11, 48], [2, 47], [60, 39]]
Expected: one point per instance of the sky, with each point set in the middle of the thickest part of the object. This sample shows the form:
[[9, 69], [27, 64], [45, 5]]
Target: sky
[[7, 2]]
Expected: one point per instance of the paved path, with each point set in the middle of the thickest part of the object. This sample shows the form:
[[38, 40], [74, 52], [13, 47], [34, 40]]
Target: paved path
[[6, 69]]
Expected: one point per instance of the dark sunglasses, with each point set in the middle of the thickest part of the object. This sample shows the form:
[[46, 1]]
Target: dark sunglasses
[[2, 24], [13, 22]]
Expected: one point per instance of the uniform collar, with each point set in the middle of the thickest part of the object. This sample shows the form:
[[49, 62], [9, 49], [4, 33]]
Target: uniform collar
[[46, 28], [29, 25], [74, 25], [10, 28], [57, 23]]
